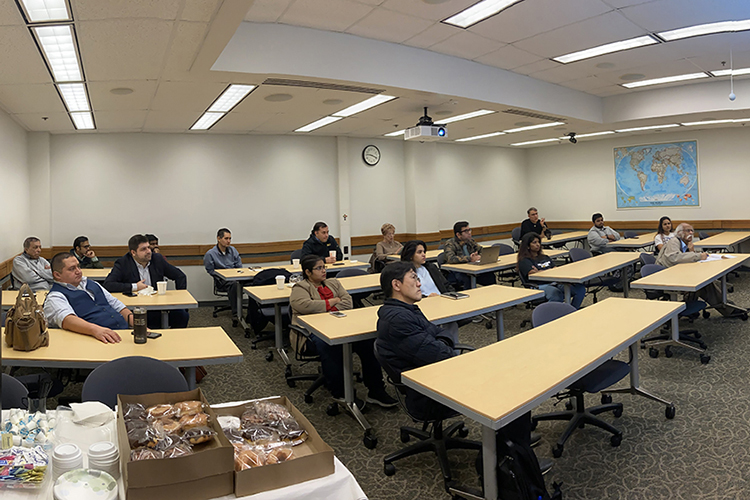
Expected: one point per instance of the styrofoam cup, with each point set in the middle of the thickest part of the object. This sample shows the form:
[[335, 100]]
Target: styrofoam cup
[[161, 286], [295, 263], [332, 253], [280, 279]]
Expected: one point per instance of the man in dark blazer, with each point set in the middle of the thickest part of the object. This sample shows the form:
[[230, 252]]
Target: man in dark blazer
[[140, 268]]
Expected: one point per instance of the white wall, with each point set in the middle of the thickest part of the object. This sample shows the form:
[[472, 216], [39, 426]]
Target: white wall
[[14, 196]]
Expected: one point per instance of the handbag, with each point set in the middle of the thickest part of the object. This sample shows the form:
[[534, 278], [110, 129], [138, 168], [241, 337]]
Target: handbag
[[26, 326]]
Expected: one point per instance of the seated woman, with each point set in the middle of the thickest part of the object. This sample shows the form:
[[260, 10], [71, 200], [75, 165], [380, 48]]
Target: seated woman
[[385, 248], [316, 294], [531, 260], [663, 234]]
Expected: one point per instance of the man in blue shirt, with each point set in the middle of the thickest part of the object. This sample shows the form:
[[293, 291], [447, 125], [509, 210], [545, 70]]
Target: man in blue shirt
[[224, 256]]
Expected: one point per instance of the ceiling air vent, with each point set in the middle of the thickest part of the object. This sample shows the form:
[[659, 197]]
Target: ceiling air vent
[[521, 112], [320, 85]]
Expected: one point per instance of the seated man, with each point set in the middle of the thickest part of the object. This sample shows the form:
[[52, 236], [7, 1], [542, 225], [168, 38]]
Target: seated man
[[534, 224], [462, 249], [31, 268], [321, 243], [679, 250], [153, 243], [600, 235], [224, 256], [81, 305], [85, 255], [140, 268]]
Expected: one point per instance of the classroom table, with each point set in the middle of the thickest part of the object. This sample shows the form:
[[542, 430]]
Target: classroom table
[[691, 277], [9, 298], [562, 238], [504, 262], [96, 274], [186, 347], [588, 269], [529, 368], [272, 295], [431, 255], [361, 324], [173, 299], [637, 243], [725, 241]]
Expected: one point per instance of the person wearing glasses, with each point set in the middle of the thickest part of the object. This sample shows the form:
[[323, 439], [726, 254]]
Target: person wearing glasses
[[318, 294], [462, 249]]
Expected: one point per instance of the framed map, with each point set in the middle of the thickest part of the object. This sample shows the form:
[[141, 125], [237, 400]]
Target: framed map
[[657, 175]]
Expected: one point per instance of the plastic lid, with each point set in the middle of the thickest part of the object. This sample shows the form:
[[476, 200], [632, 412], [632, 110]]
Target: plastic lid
[[67, 451], [102, 449]]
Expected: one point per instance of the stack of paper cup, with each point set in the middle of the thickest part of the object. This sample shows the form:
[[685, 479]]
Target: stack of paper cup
[[66, 457], [104, 456]]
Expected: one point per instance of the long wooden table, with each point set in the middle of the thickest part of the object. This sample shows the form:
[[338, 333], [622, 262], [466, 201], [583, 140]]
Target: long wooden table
[[431, 255], [503, 262], [588, 269], [496, 384], [96, 274], [565, 238], [640, 241], [726, 241], [188, 348], [173, 299], [361, 324], [9, 298]]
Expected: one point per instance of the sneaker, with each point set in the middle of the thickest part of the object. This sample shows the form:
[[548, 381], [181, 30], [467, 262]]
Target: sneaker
[[381, 398], [360, 403]]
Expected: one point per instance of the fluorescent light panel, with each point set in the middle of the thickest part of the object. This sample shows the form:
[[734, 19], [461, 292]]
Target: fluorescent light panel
[[364, 105], [533, 127], [554, 139], [59, 47], [715, 122], [666, 79], [230, 98], [608, 48], [319, 123], [74, 95], [733, 72], [593, 134], [705, 29], [651, 127], [465, 116], [207, 120], [395, 134], [83, 121], [479, 12], [42, 11], [483, 136]]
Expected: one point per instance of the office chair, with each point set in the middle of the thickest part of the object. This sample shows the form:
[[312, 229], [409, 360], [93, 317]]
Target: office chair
[[450, 276], [629, 234], [692, 310], [357, 298], [259, 316], [297, 254], [515, 235], [304, 352], [605, 375], [15, 394], [432, 437], [647, 258], [224, 295], [131, 375], [702, 235], [509, 275], [595, 285], [531, 304]]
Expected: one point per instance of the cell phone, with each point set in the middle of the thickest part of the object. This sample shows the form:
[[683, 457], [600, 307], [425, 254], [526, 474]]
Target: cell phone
[[339, 263], [128, 293], [153, 335], [338, 314]]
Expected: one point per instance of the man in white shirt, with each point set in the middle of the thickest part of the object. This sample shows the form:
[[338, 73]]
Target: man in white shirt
[[31, 268]]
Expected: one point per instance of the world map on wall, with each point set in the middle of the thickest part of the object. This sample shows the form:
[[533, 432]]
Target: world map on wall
[[658, 175]]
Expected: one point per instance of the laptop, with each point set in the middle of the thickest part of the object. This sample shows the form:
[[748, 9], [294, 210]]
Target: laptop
[[489, 256]]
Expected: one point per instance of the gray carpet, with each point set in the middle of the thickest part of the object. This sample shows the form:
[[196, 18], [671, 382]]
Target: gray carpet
[[702, 454]]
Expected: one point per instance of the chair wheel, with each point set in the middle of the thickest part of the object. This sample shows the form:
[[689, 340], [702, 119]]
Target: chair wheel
[[606, 399], [668, 351], [216, 315], [488, 325], [705, 358], [697, 335], [568, 405], [247, 336], [288, 371], [617, 412], [744, 317], [557, 451], [702, 345], [332, 410], [370, 441], [706, 314], [669, 412], [308, 398], [269, 356], [463, 431], [405, 437], [653, 352], [235, 322], [389, 469], [615, 440]]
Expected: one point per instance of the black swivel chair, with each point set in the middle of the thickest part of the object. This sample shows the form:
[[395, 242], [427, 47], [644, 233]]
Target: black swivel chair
[[224, 295], [432, 437], [15, 394], [450, 276], [297, 254], [515, 235], [357, 298], [531, 304], [647, 258], [131, 375], [259, 316], [605, 375], [596, 285], [304, 352], [509, 275], [629, 234]]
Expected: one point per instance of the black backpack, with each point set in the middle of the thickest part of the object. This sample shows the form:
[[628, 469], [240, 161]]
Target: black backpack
[[255, 316]]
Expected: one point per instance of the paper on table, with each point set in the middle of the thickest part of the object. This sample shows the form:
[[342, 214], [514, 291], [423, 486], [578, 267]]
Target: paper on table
[[715, 256]]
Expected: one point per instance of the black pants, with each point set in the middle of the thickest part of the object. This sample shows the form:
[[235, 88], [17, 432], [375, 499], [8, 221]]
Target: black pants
[[178, 318], [332, 363]]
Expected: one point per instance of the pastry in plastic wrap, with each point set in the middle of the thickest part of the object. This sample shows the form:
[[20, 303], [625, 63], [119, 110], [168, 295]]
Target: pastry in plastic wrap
[[264, 412], [134, 411], [160, 411], [249, 457], [260, 434], [187, 408], [145, 454], [143, 437], [196, 420], [168, 425], [178, 450], [278, 455], [198, 435]]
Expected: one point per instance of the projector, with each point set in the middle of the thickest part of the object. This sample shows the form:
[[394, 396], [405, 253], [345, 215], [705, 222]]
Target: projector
[[426, 133]]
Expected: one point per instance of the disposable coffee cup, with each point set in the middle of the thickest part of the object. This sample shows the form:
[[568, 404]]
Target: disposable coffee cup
[[161, 286], [280, 281], [295, 263], [332, 253], [66, 457]]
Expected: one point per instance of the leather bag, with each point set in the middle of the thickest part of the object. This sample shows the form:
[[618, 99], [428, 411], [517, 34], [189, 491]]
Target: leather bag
[[26, 326]]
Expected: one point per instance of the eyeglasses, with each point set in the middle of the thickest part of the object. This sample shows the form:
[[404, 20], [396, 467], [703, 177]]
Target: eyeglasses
[[319, 268], [467, 230]]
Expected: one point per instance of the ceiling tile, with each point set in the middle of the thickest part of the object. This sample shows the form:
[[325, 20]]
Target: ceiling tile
[[334, 15], [170, 121], [671, 14], [120, 120], [39, 98], [433, 11], [20, 60], [10, 15], [390, 26], [241, 123], [619, 4], [84, 10], [199, 10], [655, 70], [560, 73], [266, 11], [467, 45], [370, 2], [432, 35], [103, 100], [508, 57], [187, 42], [55, 122], [609, 90], [124, 50], [716, 46], [537, 66], [586, 84], [186, 96]]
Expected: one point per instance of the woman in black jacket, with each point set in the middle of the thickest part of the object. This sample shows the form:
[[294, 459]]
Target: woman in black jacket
[[433, 281]]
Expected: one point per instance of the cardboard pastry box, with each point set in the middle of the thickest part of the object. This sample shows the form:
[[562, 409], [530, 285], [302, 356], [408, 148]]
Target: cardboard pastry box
[[207, 473], [312, 459]]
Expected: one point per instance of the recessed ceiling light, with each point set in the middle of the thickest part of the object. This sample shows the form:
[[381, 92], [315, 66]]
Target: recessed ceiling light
[[319, 123], [666, 79], [533, 127], [541, 141], [364, 105], [121, 91], [592, 134], [42, 11], [632, 77], [465, 116], [395, 134], [705, 29], [59, 48], [651, 127], [733, 72], [479, 12], [483, 136], [608, 48], [230, 98], [74, 95], [83, 121], [207, 120], [278, 97]]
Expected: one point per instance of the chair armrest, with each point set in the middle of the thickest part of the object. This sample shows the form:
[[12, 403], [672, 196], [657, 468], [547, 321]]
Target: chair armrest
[[463, 348]]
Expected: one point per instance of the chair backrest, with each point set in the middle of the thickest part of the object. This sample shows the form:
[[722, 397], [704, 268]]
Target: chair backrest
[[702, 235], [630, 234], [393, 375], [550, 311], [351, 272], [217, 291], [268, 276], [441, 245], [441, 259], [297, 254], [131, 375], [651, 269], [504, 249], [515, 235], [555, 231], [577, 254], [647, 258], [14, 393]]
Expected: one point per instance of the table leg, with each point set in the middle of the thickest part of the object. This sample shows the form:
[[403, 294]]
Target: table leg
[[675, 340], [278, 324], [473, 280], [349, 390], [190, 376], [625, 282], [566, 287], [489, 462], [165, 319], [724, 289], [635, 387], [241, 316], [499, 325]]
